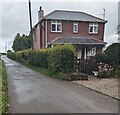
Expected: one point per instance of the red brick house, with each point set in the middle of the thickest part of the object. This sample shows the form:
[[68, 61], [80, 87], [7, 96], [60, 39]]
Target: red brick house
[[83, 30]]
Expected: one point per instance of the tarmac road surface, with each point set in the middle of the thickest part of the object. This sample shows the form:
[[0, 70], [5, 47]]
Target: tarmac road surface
[[32, 92]]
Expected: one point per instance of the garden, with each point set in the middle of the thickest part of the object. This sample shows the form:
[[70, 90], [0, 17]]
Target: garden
[[55, 62], [62, 59], [108, 63]]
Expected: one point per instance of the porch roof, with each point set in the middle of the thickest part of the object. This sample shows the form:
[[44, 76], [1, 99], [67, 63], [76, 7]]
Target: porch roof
[[78, 40]]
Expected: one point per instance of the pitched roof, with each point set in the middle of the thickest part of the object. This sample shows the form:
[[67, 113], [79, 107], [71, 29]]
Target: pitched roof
[[78, 40], [73, 16]]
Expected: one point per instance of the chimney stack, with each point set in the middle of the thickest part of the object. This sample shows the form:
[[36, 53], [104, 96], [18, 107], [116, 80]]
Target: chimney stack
[[40, 13]]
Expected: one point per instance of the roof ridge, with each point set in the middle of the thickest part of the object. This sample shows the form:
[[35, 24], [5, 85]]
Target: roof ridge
[[60, 10], [75, 11]]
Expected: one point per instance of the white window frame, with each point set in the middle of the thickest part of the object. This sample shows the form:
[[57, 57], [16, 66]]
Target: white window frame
[[91, 51], [56, 25], [93, 25], [75, 24]]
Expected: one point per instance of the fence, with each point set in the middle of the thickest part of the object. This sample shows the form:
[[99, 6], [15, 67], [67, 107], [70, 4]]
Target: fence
[[85, 66]]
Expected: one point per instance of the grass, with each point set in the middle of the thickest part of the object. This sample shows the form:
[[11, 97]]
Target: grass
[[47, 72], [4, 88]]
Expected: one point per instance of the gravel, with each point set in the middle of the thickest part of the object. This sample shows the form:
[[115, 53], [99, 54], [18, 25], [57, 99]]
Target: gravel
[[108, 86]]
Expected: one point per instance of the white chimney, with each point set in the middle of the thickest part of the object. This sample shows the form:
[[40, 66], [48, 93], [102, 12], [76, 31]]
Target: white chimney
[[40, 13]]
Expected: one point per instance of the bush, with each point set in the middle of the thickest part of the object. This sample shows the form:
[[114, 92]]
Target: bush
[[38, 58], [105, 70], [33, 57], [11, 54], [113, 52], [3, 53], [62, 58], [18, 56], [111, 57], [100, 58]]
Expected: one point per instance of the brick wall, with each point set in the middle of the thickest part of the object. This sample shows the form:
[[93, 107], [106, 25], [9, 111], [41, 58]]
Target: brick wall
[[67, 30]]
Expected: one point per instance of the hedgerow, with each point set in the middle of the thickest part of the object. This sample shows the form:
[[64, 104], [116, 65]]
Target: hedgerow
[[60, 58]]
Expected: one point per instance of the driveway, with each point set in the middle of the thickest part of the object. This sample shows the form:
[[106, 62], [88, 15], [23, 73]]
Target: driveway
[[32, 92]]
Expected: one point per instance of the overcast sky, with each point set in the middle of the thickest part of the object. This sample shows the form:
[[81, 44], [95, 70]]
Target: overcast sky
[[14, 16]]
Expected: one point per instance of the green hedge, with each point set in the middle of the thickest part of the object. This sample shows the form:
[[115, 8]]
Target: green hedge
[[38, 58], [11, 54], [60, 58]]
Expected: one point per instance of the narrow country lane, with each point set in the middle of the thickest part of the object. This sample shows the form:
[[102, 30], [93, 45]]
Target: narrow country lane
[[32, 92]]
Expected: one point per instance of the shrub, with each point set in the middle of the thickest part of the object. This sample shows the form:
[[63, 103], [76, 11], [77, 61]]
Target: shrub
[[113, 52], [62, 58], [38, 58], [22, 56], [100, 57], [11, 54], [33, 57], [106, 71], [3, 53], [18, 56]]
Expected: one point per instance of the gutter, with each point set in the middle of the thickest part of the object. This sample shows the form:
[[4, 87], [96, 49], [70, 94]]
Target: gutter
[[46, 33]]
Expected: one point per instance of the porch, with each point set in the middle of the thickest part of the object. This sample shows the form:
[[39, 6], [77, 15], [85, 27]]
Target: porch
[[87, 47]]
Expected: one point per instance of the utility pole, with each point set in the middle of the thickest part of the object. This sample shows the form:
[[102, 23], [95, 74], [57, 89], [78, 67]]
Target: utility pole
[[30, 17], [5, 46], [104, 13]]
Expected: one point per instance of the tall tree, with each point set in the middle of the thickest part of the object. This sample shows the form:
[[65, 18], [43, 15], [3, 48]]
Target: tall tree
[[113, 52], [21, 42]]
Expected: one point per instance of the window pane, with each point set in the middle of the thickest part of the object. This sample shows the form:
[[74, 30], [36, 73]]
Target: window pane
[[75, 27], [93, 51], [95, 29], [53, 27], [59, 27], [91, 29]]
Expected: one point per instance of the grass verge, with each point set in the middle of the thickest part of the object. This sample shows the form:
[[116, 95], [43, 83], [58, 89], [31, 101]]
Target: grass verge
[[4, 88], [47, 72]]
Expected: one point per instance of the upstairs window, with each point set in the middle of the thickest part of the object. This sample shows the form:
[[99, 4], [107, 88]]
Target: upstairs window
[[75, 27], [56, 26], [93, 28]]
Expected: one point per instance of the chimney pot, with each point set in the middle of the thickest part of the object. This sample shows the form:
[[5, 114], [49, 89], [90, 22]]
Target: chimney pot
[[40, 8]]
